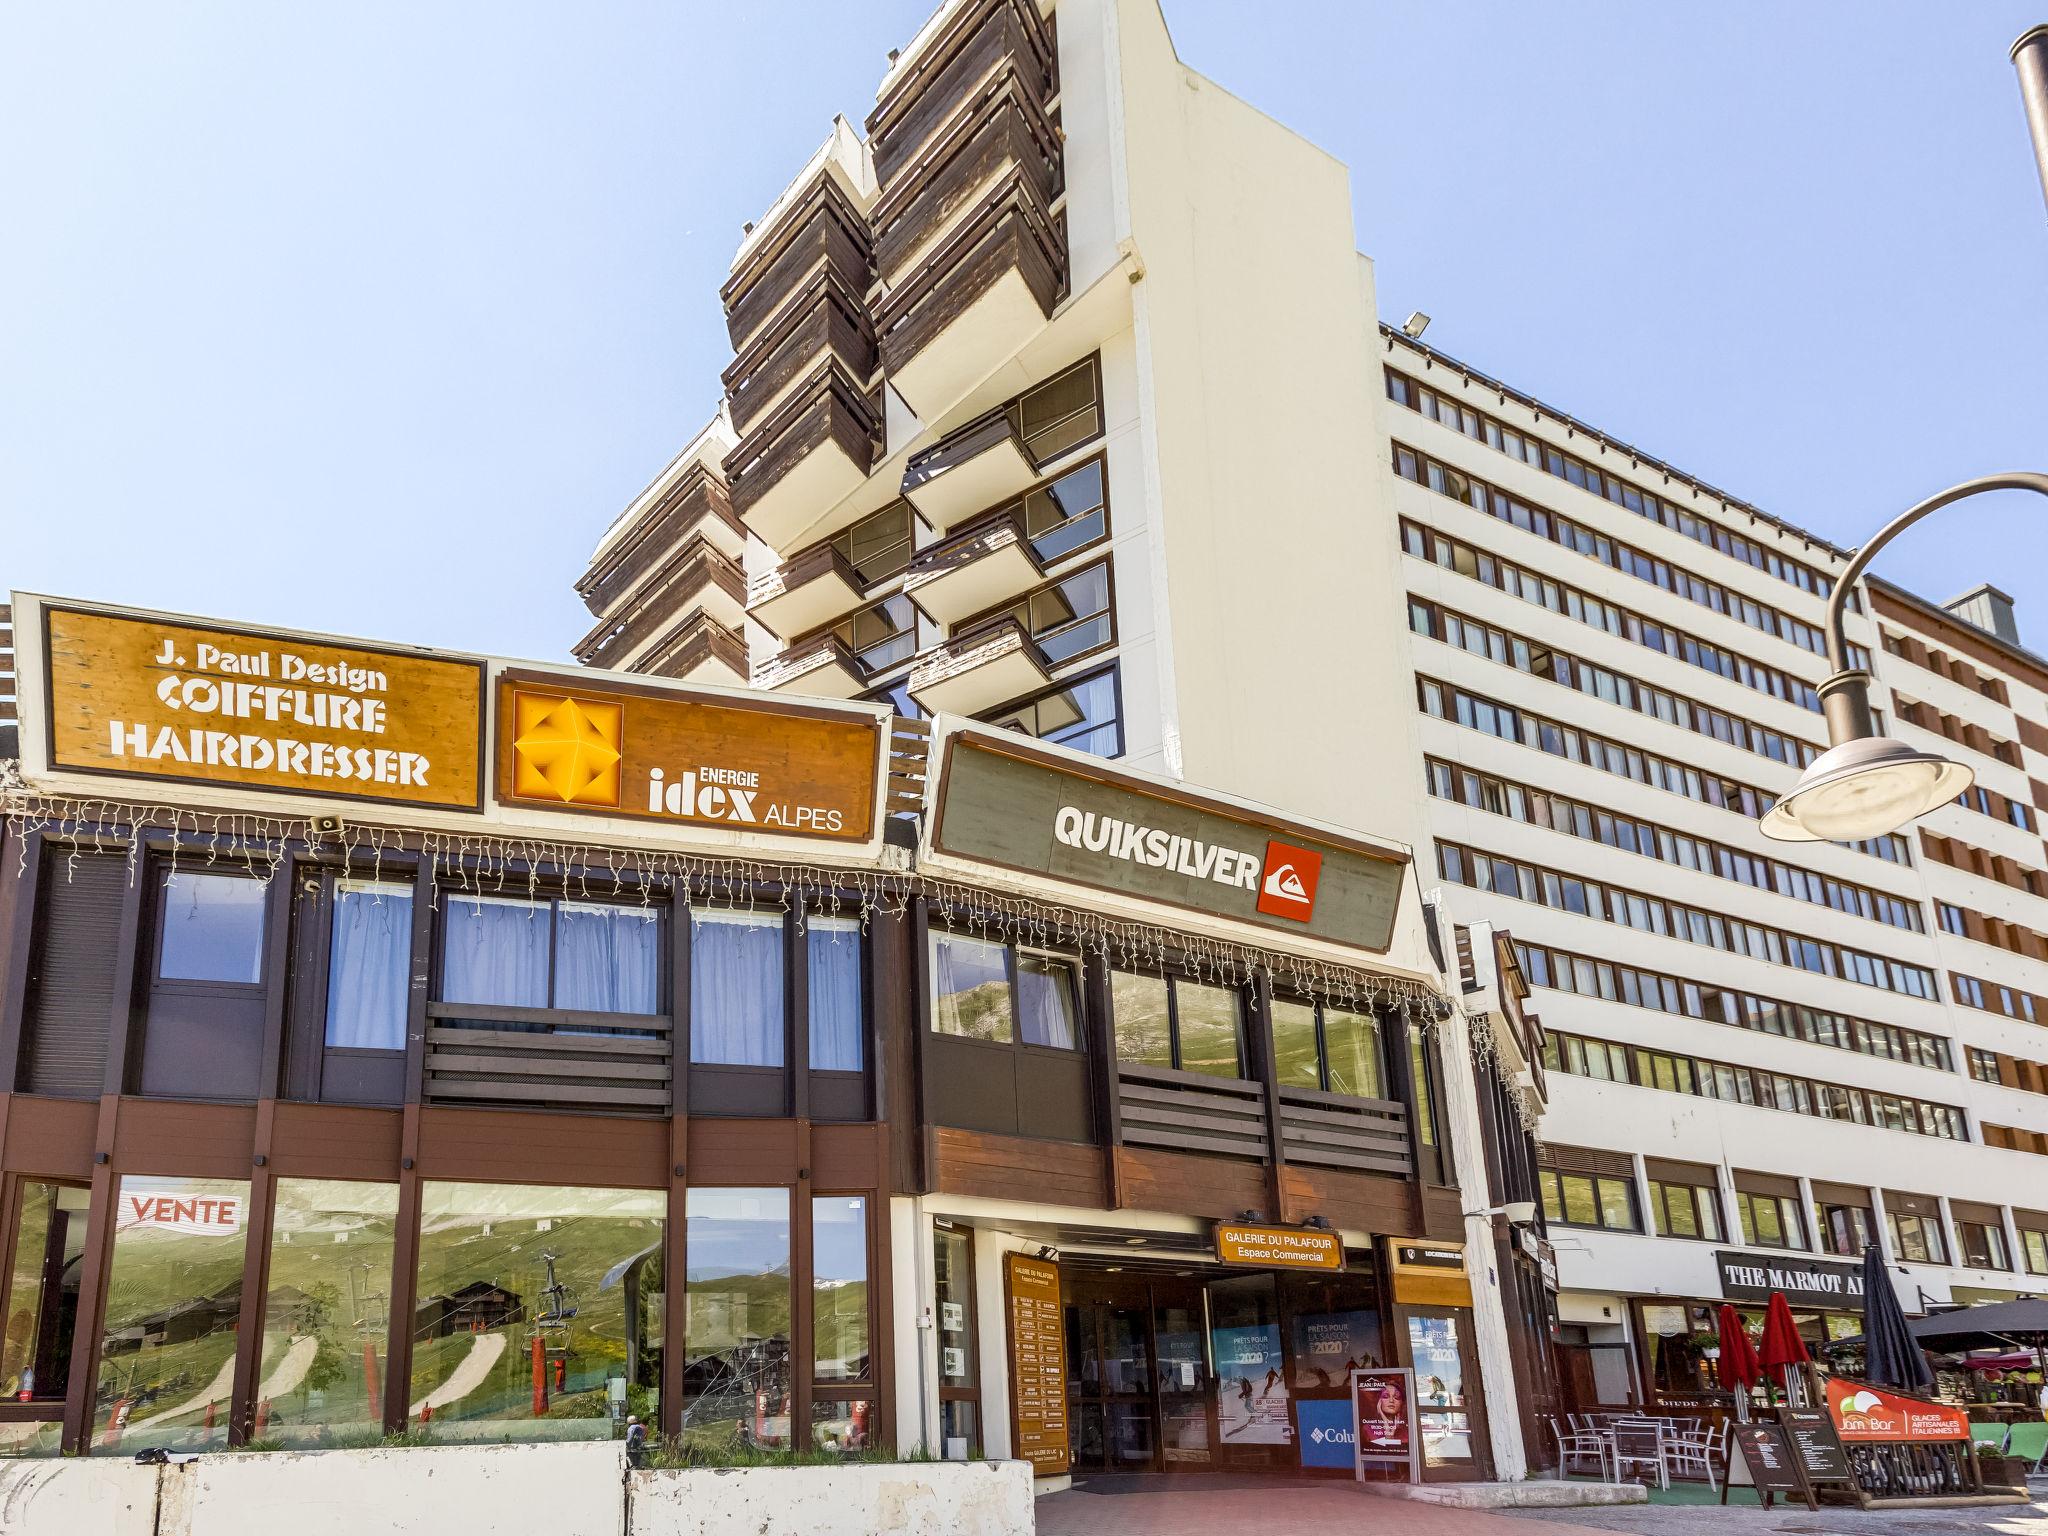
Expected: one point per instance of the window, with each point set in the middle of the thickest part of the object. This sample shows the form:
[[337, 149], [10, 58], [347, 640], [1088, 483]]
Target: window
[[2034, 1245], [833, 951], [1951, 918], [1983, 1064], [959, 1396], [1174, 1023], [369, 961], [1589, 1200], [551, 954], [1769, 1221], [1917, 1238], [839, 1289], [1082, 713], [1845, 1230], [1002, 994], [1685, 1210], [879, 546], [42, 1259], [1068, 513], [1332, 1049], [174, 1300], [1066, 619], [1982, 1245], [736, 988], [504, 1268], [1062, 413], [883, 635], [736, 1362], [327, 1310], [212, 929]]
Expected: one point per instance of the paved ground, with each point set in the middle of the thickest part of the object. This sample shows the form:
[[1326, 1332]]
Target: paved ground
[[1235, 1507]]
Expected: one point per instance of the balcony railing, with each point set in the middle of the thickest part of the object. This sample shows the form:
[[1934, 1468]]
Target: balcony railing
[[822, 228], [974, 570], [819, 444], [1191, 1112], [822, 667], [697, 506], [483, 1054], [824, 318], [982, 465], [1329, 1130], [699, 576], [817, 587], [697, 647], [989, 665], [982, 36]]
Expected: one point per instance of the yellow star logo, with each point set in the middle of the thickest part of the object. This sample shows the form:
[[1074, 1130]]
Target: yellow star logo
[[565, 749]]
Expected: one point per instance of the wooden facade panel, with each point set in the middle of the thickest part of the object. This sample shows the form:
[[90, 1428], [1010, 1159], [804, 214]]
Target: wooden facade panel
[[742, 1151], [50, 1136], [511, 1147], [1020, 1168], [213, 1141], [1361, 1202], [1214, 1188], [332, 1141], [845, 1157]]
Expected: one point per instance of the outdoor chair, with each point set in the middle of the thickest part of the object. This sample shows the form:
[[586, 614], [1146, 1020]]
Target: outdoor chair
[[1639, 1444], [2029, 1442], [1576, 1443], [1694, 1451]]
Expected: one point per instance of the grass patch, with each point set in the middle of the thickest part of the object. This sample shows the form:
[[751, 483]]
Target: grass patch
[[671, 1454]]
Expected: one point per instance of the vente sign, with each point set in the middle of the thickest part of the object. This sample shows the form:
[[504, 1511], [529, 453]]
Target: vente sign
[[193, 1215]]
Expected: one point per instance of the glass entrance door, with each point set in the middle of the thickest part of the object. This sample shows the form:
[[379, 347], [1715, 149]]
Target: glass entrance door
[[1109, 1382]]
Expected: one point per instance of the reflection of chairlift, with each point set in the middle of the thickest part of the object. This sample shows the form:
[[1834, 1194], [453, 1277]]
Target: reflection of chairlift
[[557, 1312]]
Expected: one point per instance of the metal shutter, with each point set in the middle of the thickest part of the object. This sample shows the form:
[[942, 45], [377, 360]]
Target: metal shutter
[[71, 989]]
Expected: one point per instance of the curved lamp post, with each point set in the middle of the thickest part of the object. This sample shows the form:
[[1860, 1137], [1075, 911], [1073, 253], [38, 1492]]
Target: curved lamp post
[[1866, 785]]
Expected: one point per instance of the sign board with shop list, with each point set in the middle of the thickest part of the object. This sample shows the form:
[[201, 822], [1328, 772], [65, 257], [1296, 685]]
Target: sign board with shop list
[[148, 696], [1038, 1363]]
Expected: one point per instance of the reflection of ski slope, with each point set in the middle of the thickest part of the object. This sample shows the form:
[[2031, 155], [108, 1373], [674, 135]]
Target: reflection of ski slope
[[291, 1370], [220, 1391], [466, 1377]]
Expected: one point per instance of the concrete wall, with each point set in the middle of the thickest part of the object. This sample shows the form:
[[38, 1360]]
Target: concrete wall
[[981, 1498], [77, 1498]]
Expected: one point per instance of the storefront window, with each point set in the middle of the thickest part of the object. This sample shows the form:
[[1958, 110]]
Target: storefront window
[[368, 965], [539, 1311], [736, 1367], [839, 1287], [832, 946], [174, 1298], [42, 1292], [1251, 1384], [1329, 1049], [953, 1294], [736, 997], [1440, 1404], [585, 956], [1174, 1023], [327, 1312], [212, 929]]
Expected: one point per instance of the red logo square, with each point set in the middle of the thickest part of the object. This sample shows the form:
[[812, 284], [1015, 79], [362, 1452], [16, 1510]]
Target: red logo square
[[1287, 887]]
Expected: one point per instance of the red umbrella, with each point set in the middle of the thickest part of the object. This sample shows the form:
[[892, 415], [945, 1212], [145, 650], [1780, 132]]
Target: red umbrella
[[1782, 1345], [1739, 1367]]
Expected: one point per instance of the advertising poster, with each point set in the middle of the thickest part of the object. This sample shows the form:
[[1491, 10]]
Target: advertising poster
[[1330, 1346], [1383, 1417], [1251, 1392], [1439, 1390], [1864, 1412], [1327, 1436]]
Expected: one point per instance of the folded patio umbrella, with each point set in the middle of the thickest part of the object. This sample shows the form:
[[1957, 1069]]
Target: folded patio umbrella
[[1738, 1366], [1782, 1346], [1892, 1356]]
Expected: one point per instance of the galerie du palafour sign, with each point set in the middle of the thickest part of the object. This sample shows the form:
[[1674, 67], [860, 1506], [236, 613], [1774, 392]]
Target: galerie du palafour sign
[[148, 696], [1004, 801], [1751, 1277]]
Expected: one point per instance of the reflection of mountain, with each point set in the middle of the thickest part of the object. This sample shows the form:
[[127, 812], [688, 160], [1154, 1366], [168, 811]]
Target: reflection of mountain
[[979, 1006]]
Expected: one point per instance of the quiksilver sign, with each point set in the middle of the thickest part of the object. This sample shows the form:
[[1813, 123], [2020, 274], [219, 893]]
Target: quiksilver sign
[[1018, 808]]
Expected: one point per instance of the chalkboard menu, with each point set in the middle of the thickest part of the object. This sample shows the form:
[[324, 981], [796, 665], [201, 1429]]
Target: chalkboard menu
[[1818, 1445], [1772, 1464], [1038, 1363]]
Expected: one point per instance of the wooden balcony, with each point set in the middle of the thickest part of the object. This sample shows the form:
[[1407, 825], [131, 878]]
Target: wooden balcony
[[927, 89], [818, 587], [971, 305], [824, 319], [822, 228], [697, 649], [534, 1057], [1192, 1112], [819, 444], [699, 577], [989, 665], [1329, 1130], [974, 571], [1001, 128], [823, 667], [982, 465], [696, 506]]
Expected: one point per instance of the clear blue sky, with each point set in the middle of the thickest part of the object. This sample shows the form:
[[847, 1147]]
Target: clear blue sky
[[370, 317]]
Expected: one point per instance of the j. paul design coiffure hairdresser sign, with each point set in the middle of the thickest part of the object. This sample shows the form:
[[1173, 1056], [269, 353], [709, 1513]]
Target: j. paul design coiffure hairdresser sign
[[1004, 802]]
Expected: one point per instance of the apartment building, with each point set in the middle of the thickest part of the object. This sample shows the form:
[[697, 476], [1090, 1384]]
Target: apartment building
[[1011, 359]]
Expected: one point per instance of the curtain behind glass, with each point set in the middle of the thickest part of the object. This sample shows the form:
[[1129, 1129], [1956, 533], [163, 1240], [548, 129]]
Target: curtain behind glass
[[736, 1010], [833, 946], [1045, 1001], [368, 963], [607, 958], [495, 950]]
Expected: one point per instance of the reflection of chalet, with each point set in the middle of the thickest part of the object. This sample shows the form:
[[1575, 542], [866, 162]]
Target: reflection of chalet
[[476, 1308], [187, 1320]]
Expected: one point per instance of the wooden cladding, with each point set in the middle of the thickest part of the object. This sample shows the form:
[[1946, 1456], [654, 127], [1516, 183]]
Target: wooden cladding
[[828, 407], [682, 577], [1586, 1160], [821, 229], [1191, 1112], [546, 1058], [1853, 1195], [1901, 1204], [1329, 1130], [697, 497], [697, 639], [982, 37], [1777, 1184], [824, 317], [1667, 1170]]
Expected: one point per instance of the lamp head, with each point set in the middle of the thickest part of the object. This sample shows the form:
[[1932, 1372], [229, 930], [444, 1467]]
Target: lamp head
[[1865, 787]]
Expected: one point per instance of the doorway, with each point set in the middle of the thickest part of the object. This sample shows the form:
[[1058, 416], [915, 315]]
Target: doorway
[[1140, 1394]]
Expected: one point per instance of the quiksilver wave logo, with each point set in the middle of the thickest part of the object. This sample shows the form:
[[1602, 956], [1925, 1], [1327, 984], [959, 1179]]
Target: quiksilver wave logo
[[1289, 889]]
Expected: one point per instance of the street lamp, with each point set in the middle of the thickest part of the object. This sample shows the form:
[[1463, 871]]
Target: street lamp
[[2030, 58], [1866, 785]]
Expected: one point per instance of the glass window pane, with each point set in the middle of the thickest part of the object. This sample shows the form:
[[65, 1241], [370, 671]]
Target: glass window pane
[[736, 1359], [1352, 1042], [971, 988], [832, 945], [326, 1312], [1425, 1104], [951, 1266], [495, 950], [369, 961], [213, 928], [1296, 1062], [1144, 1034], [840, 1423], [736, 1007], [42, 1292], [839, 1287], [1208, 1029], [1617, 1210], [174, 1299], [1048, 1001], [1579, 1205], [539, 1310], [607, 957]]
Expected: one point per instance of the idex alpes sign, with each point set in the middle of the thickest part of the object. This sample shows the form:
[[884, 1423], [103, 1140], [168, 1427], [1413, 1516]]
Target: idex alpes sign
[[1027, 810]]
